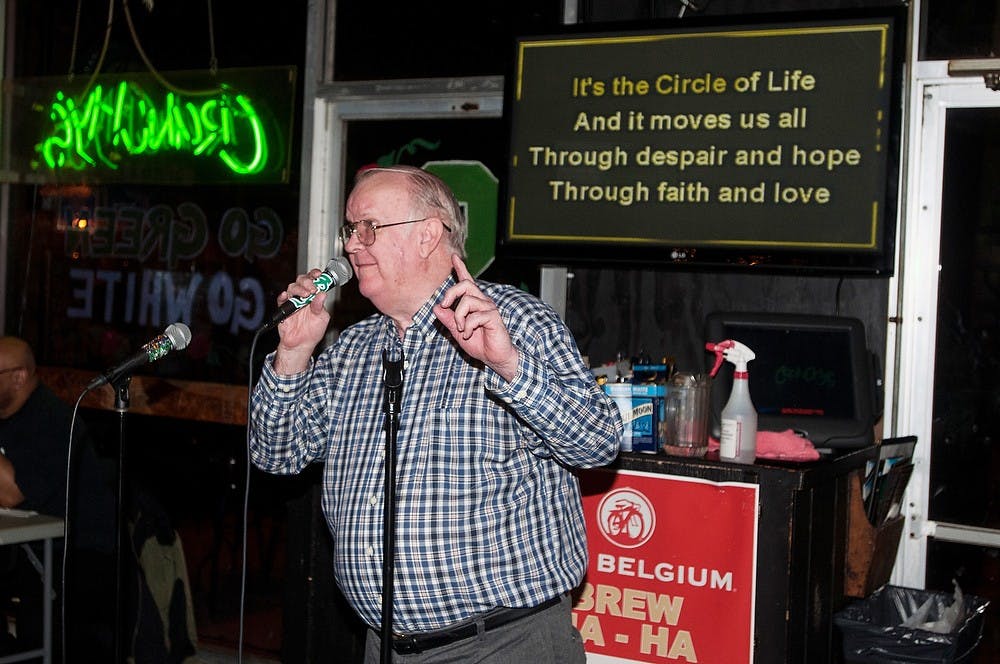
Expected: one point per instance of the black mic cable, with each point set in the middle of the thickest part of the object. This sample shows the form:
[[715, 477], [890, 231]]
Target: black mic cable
[[336, 273]]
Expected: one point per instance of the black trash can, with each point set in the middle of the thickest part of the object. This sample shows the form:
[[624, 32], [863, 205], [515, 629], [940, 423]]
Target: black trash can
[[872, 628]]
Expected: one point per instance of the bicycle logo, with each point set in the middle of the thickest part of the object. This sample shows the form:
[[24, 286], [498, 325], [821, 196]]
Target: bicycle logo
[[626, 518]]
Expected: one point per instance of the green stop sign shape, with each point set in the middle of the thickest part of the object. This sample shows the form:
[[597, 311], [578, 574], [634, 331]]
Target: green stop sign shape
[[476, 189]]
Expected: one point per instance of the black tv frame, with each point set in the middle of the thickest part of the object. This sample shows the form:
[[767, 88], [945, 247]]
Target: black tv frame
[[826, 433], [708, 256]]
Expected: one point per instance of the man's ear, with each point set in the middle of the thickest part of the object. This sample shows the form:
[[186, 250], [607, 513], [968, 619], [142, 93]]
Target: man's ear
[[431, 235]]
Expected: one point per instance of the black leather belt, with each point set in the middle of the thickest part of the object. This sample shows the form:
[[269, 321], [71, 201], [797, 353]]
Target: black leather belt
[[406, 644]]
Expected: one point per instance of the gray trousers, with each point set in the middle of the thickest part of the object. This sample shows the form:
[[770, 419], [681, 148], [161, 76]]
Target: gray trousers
[[547, 637]]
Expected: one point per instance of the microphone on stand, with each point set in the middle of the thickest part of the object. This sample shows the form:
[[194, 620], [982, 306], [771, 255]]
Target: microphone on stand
[[336, 273], [176, 337]]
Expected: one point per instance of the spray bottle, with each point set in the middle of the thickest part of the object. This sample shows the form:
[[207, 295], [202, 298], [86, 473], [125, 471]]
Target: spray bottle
[[738, 439]]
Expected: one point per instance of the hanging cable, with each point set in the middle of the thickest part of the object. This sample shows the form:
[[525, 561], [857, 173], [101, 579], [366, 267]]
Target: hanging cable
[[213, 63], [76, 35], [152, 70], [246, 505], [104, 49]]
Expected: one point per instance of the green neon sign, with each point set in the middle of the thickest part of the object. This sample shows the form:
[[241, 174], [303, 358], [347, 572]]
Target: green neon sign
[[110, 123], [136, 129]]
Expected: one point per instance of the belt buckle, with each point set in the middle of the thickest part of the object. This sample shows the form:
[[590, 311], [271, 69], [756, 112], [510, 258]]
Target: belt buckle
[[406, 644]]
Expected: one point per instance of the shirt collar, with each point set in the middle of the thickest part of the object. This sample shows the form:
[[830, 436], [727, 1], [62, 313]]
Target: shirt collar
[[425, 323]]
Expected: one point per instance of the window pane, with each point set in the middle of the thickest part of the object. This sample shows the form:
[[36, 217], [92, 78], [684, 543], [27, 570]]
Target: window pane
[[959, 29], [967, 366]]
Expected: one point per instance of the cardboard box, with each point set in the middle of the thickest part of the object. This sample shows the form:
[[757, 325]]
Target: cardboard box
[[642, 409]]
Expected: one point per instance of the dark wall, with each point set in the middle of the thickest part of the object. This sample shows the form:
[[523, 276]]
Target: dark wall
[[662, 313], [617, 10]]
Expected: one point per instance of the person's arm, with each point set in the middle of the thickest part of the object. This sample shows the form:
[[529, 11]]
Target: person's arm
[[285, 427], [536, 368], [10, 493], [287, 419], [568, 415]]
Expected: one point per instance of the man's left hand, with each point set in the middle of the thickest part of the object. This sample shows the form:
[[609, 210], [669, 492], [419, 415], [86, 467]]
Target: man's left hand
[[474, 322]]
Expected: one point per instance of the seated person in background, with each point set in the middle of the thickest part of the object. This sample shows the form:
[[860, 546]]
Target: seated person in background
[[34, 445]]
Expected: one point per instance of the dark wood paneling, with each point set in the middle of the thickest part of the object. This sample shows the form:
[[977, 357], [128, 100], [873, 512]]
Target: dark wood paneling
[[180, 399]]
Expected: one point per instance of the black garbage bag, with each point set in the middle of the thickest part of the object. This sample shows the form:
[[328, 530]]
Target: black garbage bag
[[873, 628]]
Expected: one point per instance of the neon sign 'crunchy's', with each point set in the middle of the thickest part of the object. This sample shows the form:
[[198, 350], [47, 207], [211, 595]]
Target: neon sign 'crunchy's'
[[113, 122]]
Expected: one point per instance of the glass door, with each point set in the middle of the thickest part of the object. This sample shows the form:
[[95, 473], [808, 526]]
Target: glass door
[[949, 330]]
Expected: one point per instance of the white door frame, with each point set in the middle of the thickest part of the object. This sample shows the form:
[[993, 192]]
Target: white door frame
[[336, 104], [915, 290]]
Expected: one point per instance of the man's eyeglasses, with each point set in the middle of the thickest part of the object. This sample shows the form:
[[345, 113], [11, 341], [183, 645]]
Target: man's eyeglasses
[[364, 230]]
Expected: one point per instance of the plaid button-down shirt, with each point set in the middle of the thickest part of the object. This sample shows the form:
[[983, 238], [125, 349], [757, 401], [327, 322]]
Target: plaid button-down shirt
[[488, 510]]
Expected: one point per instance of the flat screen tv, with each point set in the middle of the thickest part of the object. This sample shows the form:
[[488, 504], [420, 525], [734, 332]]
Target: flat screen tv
[[772, 143], [812, 374]]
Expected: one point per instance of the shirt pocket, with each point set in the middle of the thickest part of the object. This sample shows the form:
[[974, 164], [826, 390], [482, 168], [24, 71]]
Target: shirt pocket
[[468, 417]]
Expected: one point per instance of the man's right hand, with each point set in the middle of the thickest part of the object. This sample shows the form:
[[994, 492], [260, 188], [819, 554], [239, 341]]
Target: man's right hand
[[300, 333]]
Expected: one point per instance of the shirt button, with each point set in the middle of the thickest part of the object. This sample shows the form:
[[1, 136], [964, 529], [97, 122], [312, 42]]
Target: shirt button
[[523, 394], [373, 500], [371, 550]]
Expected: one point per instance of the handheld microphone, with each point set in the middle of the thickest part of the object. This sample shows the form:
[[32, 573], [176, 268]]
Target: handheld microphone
[[176, 337], [336, 273]]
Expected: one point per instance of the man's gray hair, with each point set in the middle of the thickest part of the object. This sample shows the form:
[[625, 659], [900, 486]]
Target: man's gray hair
[[430, 195]]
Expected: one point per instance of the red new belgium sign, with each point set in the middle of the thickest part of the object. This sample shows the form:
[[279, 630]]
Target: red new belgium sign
[[671, 575]]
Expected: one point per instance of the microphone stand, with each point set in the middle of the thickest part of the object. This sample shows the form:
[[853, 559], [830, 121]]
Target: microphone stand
[[393, 382], [122, 402]]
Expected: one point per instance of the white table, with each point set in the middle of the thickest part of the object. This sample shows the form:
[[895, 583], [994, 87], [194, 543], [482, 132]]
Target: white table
[[22, 530]]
